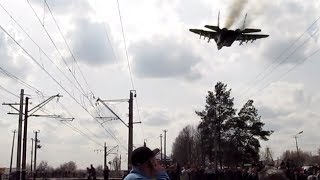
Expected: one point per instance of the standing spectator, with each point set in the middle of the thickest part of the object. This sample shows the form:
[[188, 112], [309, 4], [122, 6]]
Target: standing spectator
[[93, 172], [145, 166]]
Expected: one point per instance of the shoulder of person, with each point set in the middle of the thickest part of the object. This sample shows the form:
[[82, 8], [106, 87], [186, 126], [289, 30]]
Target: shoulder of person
[[133, 176]]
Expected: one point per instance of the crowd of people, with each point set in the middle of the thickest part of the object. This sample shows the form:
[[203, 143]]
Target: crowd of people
[[254, 172], [145, 167]]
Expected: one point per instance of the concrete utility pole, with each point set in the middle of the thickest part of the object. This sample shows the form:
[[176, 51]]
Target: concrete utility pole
[[130, 134], [36, 146], [105, 156], [19, 135], [165, 147], [161, 147], [31, 160], [106, 153], [12, 148], [27, 114], [130, 123], [25, 132]]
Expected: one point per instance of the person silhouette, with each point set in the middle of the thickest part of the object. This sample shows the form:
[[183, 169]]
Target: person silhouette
[[93, 172]]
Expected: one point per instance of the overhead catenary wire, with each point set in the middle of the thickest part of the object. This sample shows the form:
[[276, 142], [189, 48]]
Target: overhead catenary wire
[[289, 70], [65, 41], [41, 50], [285, 59], [57, 49], [58, 27], [19, 80], [43, 53], [128, 62], [84, 93], [108, 38], [8, 91], [125, 45], [265, 72], [37, 63], [73, 128], [42, 94]]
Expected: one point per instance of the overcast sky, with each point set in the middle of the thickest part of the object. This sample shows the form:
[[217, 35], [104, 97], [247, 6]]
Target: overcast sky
[[172, 70]]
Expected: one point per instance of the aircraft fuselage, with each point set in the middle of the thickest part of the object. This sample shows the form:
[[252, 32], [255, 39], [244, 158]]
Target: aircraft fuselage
[[226, 37]]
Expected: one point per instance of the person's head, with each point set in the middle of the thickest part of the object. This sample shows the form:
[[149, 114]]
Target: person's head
[[144, 159]]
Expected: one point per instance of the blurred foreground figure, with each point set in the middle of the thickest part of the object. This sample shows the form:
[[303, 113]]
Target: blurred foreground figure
[[271, 173], [145, 166]]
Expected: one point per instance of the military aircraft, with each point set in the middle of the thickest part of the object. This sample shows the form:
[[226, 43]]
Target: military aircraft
[[226, 37]]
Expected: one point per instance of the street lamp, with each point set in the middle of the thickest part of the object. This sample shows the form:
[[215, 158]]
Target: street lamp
[[295, 137]]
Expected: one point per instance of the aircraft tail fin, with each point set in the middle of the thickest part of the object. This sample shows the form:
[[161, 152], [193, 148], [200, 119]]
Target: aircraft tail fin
[[244, 21], [215, 28], [219, 19]]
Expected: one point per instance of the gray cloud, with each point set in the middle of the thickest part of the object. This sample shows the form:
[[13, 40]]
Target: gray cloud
[[90, 44], [269, 113], [11, 61], [164, 58], [62, 7], [156, 118]]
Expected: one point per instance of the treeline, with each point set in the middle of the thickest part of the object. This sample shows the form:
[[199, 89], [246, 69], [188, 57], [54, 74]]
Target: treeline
[[300, 158], [65, 170], [224, 136]]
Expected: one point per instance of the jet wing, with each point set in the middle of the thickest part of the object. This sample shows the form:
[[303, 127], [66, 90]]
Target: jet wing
[[249, 30], [250, 37], [209, 34]]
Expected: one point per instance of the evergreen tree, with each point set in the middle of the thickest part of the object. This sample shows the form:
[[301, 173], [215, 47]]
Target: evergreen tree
[[218, 109], [244, 132]]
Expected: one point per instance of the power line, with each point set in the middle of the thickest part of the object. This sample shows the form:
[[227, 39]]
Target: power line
[[125, 45], [65, 41], [127, 58], [40, 48], [110, 132], [3, 71], [55, 46], [6, 90], [73, 128], [257, 79], [285, 59], [291, 69], [39, 92], [108, 38], [33, 59]]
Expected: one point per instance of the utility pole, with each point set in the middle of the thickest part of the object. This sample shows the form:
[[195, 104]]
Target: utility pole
[[161, 147], [31, 160], [14, 135], [130, 134], [19, 135], [145, 143], [165, 147], [105, 156], [25, 132], [36, 146], [27, 114], [130, 123], [106, 153]]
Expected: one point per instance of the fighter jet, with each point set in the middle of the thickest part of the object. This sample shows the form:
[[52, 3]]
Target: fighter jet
[[226, 37]]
